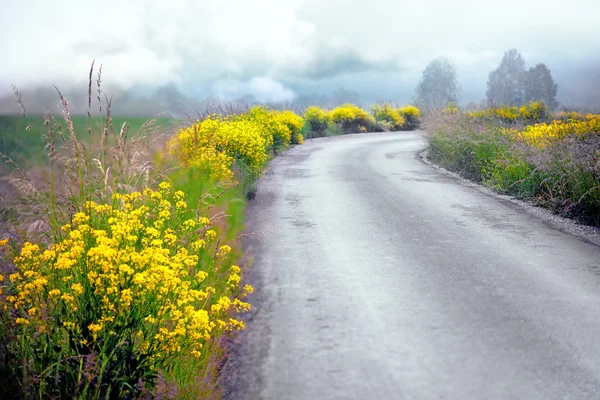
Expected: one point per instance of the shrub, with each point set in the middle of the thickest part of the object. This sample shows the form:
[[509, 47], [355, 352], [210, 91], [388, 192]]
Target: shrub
[[275, 130], [352, 118], [294, 123], [412, 116], [316, 122], [388, 117], [543, 134], [529, 113], [217, 143]]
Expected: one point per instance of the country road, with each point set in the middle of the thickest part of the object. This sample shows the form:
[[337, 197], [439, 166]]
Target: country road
[[379, 277]]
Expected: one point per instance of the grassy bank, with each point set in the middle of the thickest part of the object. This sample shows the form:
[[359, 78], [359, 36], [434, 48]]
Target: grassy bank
[[120, 268], [23, 139], [526, 152]]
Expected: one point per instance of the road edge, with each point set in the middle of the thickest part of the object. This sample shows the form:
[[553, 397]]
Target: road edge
[[587, 233]]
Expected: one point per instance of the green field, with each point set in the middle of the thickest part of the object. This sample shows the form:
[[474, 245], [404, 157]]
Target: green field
[[23, 139]]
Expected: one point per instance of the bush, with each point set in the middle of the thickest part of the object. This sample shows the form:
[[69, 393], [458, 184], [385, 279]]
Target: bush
[[529, 113], [275, 131], [246, 140], [387, 117], [412, 116], [294, 123], [316, 121], [352, 118]]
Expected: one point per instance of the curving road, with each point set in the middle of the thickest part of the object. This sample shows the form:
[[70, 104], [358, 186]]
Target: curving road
[[379, 277]]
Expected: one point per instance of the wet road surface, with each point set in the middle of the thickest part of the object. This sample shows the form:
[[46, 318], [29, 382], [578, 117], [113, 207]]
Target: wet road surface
[[379, 277]]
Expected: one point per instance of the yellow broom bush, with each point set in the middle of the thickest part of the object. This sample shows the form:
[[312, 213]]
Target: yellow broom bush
[[352, 118], [316, 120], [294, 123], [388, 117]]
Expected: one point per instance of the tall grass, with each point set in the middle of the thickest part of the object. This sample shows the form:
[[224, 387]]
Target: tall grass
[[130, 282], [557, 162]]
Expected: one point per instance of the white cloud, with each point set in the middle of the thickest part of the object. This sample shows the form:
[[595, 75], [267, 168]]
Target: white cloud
[[268, 45]]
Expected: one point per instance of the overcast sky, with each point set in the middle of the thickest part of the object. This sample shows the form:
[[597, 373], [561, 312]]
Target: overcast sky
[[278, 49]]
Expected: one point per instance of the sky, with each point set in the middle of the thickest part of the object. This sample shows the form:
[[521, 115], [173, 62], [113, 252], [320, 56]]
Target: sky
[[277, 50]]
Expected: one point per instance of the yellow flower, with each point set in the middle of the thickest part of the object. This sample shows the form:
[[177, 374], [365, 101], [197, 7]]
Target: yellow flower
[[189, 224], [95, 329], [211, 234], [67, 298], [204, 221], [69, 325], [164, 186], [224, 250], [77, 288], [198, 245], [80, 218], [156, 277]]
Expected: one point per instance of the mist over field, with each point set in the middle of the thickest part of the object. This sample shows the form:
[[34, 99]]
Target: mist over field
[[161, 56]]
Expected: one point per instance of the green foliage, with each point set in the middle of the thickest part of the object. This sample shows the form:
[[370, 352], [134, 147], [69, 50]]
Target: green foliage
[[554, 163], [23, 139]]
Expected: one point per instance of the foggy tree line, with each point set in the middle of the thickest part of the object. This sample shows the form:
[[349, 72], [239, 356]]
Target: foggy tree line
[[163, 100], [509, 84]]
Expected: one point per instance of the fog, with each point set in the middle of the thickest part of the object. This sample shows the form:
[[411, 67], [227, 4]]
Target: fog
[[272, 51]]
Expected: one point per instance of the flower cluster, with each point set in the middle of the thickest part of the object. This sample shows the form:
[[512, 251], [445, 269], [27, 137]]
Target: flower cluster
[[388, 115], [143, 277], [352, 118], [412, 115], [533, 112], [217, 142], [317, 120], [544, 134], [294, 123]]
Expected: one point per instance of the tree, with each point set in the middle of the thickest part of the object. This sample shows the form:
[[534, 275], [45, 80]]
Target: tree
[[439, 85], [539, 85], [505, 84]]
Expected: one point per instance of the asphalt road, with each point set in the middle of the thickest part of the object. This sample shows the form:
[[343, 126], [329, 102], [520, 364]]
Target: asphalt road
[[379, 277]]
